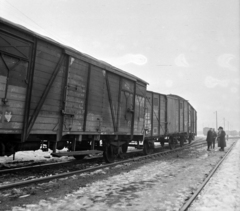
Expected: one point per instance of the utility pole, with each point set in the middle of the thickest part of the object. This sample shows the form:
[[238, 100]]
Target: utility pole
[[224, 123], [216, 121]]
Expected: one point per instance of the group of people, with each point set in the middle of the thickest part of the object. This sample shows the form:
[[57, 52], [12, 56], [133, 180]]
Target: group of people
[[212, 137]]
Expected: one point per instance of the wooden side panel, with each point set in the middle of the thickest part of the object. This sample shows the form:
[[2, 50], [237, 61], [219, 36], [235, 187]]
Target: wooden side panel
[[195, 121], [47, 58], [156, 120], [173, 115], [13, 86], [107, 123], [163, 116], [75, 95], [189, 119], [181, 110], [99, 113], [139, 109], [15, 46], [185, 116], [148, 114], [114, 83], [126, 106]]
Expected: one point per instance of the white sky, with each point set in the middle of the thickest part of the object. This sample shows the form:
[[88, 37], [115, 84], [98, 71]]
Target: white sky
[[184, 47]]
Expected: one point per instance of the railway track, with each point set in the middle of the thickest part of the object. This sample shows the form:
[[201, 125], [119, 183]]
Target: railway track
[[198, 143], [64, 163], [199, 190]]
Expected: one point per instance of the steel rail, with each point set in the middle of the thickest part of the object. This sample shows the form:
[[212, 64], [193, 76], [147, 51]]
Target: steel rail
[[46, 179], [35, 166], [193, 197]]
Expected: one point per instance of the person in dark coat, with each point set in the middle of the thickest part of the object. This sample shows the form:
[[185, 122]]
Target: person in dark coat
[[209, 138], [221, 139], [214, 138]]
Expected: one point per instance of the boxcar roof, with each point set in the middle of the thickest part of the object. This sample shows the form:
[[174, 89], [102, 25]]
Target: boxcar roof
[[75, 53], [156, 92], [176, 96]]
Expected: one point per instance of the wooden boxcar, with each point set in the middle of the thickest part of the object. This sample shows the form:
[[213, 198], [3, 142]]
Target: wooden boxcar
[[169, 118], [55, 96]]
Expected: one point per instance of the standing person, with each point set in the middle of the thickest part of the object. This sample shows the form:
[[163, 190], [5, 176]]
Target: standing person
[[221, 139], [214, 138], [209, 138]]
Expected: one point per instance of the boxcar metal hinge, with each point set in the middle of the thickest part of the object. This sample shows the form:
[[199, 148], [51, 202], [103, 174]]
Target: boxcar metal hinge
[[66, 113]]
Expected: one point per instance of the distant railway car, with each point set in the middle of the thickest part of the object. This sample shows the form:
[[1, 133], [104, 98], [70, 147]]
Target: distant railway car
[[53, 94], [169, 118]]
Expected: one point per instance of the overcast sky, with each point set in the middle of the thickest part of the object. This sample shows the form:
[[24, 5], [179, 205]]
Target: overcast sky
[[184, 47]]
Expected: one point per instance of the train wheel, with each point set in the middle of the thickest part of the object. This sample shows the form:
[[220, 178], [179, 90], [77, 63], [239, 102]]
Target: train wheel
[[79, 157], [110, 153], [189, 139], [172, 143], [182, 139], [162, 143], [125, 147], [2, 149], [148, 147]]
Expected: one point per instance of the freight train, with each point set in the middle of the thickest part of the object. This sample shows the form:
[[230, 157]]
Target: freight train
[[53, 96]]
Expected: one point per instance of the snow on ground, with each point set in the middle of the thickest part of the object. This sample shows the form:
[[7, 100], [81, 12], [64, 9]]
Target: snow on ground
[[222, 193], [37, 155]]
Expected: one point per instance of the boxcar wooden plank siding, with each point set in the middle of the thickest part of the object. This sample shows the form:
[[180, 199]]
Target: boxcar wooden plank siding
[[52, 100], [44, 126], [125, 116], [45, 56], [176, 101], [75, 68], [47, 75], [140, 90], [48, 114], [139, 115], [43, 68], [148, 114], [173, 114], [95, 106], [78, 99], [45, 47], [181, 123], [185, 116], [11, 125], [155, 114], [75, 95], [163, 119], [44, 82], [17, 43], [15, 117], [49, 107], [50, 65], [46, 120], [114, 81], [38, 92], [16, 32], [13, 96], [12, 88]]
